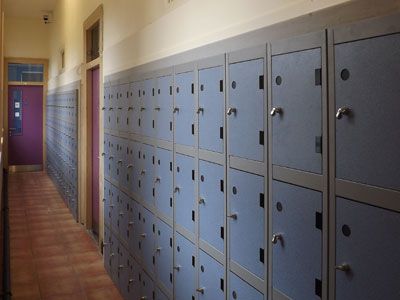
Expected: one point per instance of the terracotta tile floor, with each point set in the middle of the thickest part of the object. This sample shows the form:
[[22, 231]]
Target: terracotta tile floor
[[52, 257]]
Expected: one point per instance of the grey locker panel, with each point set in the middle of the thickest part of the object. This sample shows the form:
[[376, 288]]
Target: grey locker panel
[[185, 191], [136, 167], [246, 194], [211, 210], [164, 254], [147, 287], [147, 107], [115, 208], [105, 108], [240, 290], [164, 107], [211, 100], [114, 258], [107, 203], [127, 167], [163, 182], [367, 239], [126, 217], [297, 90], [114, 108], [147, 173], [211, 278], [129, 279], [247, 124], [297, 256], [136, 89], [185, 276], [185, 102], [107, 249], [123, 258], [366, 82], [148, 239], [136, 242], [123, 104]]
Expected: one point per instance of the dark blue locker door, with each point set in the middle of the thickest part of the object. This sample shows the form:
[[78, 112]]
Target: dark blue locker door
[[147, 108], [148, 239], [138, 229], [136, 167], [185, 192], [367, 95], [114, 258], [134, 108], [246, 201], [211, 278], [164, 254], [114, 108], [246, 119], [367, 251], [164, 107], [163, 182], [107, 202], [123, 269], [212, 204], [297, 232], [105, 108], [123, 108], [108, 249], [297, 118], [185, 268], [211, 109], [241, 290], [147, 173], [114, 208], [184, 109]]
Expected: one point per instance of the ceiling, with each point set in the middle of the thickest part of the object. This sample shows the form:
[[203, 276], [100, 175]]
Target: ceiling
[[28, 8]]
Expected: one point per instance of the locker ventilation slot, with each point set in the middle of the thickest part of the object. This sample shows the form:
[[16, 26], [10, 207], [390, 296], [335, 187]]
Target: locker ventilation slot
[[170, 166], [193, 129], [318, 220], [261, 137], [170, 277], [222, 232], [192, 88], [170, 202], [170, 89], [192, 174], [154, 192], [221, 185], [221, 133], [318, 287], [318, 76], [153, 92], [318, 144], [262, 200], [170, 126], [153, 123], [261, 82], [154, 260], [262, 255], [193, 261], [221, 284], [221, 86], [170, 242], [193, 218]]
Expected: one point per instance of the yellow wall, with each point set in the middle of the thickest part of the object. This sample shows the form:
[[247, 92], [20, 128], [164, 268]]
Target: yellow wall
[[26, 38], [139, 31]]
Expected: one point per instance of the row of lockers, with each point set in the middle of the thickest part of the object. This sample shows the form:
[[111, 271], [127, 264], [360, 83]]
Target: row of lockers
[[61, 145]]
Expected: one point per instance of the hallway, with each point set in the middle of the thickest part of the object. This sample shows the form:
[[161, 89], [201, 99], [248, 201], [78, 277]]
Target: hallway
[[52, 257]]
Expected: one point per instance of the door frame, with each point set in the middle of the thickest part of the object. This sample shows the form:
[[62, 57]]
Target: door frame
[[21, 60], [85, 127]]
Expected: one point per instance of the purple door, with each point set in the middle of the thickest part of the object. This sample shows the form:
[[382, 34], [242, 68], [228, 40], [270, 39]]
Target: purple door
[[95, 150], [25, 125]]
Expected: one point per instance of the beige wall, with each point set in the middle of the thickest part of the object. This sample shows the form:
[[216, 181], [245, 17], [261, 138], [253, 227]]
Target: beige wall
[[136, 32], [26, 38]]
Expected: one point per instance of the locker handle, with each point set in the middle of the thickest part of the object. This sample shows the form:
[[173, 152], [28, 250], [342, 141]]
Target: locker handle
[[143, 172], [130, 281], [119, 107], [143, 235], [120, 266], [157, 180], [200, 110], [342, 111], [130, 223], [143, 298], [130, 108], [120, 161], [343, 267], [233, 216], [111, 108], [231, 110], [129, 166], [103, 154], [178, 267], [142, 108], [158, 249], [111, 157], [276, 110], [200, 290], [176, 109], [121, 214], [177, 189], [276, 237], [157, 108], [103, 108], [201, 201]]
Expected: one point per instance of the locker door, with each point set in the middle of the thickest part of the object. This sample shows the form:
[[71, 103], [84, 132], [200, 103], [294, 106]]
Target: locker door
[[114, 259], [212, 204], [135, 229], [211, 278], [367, 103], [246, 201], [184, 109], [147, 173], [367, 249], [106, 107], [123, 269], [136, 89], [147, 108], [297, 110], [164, 254], [114, 108], [118, 158], [163, 108], [136, 167], [185, 269], [128, 167], [115, 208], [121, 161], [184, 191], [113, 158], [246, 101], [123, 107], [108, 249], [148, 239], [130, 107], [107, 202], [297, 232], [163, 181], [211, 105], [127, 289], [124, 216], [240, 290], [147, 288]]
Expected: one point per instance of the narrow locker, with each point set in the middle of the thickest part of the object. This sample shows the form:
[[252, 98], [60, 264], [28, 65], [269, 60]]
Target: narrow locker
[[107, 203], [367, 117], [185, 191], [241, 290], [135, 240], [147, 108], [121, 160], [147, 287], [164, 254], [123, 268], [136, 89], [367, 249], [127, 277], [211, 109], [211, 204], [184, 109], [185, 268], [114, 258], [125, 217], [126, 169], [115, 208], [246, 217], [297, 110], [211, 278], [136, 167], [130, 109], [113, 108], [123, 105], [146, 177], [246, 109], [113, 158], [108, 249], [163, 108], [105, 108], [163, 182], [147, 238], [297, 233]]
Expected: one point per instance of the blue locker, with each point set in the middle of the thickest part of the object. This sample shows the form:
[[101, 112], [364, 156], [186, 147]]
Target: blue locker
[[163, 182], [185, 268], [136, 89], [147, 108], [211, 109], [107, 202], [297, 240], [127, 276], [121, 160], [148, 240], [367, 251], [163, 108], [135, 229], [113, 262], [212, 204], [241, 290], [164, 254], [115, 208], [113, 108], [184, 109], [105, 108], [246, 110], [147, 287], [127, 167], [123, 269], [123, 108], [125, 216], [185, 191], [147, 173], [211, 278], [108, 249], [246, 201], [136, 167]]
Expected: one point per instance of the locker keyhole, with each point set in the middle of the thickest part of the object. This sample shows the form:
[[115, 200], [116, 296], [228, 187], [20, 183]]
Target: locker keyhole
[[279, 206], [345, 74], [278, 80], [346, 230]]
